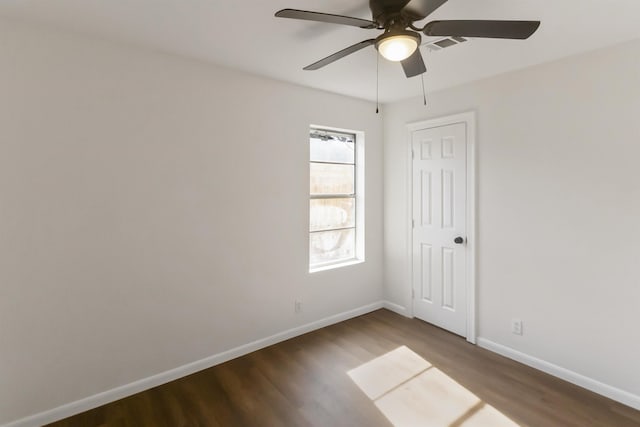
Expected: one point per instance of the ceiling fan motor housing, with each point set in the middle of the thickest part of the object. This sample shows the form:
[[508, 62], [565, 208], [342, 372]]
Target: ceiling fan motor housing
[[386, 12]]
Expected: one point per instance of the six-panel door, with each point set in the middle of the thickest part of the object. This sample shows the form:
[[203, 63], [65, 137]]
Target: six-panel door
[[439, 217]]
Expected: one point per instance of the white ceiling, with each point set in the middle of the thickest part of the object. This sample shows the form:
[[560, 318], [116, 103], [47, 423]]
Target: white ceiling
[[244, 34]]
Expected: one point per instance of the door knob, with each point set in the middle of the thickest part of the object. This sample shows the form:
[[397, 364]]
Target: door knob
[[458, 240]]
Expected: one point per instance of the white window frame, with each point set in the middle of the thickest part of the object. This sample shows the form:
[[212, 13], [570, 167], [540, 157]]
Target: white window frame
[[359, 198]]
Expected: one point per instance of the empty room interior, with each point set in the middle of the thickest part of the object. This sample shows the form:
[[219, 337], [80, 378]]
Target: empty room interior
[[408, 213]]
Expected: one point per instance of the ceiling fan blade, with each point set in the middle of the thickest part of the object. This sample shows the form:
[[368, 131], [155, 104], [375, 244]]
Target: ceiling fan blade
[[325, 17], [414, 65], [344, 52], [490, 29], [420, 9]]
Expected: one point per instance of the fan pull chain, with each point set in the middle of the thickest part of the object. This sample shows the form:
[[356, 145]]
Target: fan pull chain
[[424, 93], [377, 82]]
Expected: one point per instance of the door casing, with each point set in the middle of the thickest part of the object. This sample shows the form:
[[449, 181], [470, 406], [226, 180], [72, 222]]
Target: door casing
[[469, 118]]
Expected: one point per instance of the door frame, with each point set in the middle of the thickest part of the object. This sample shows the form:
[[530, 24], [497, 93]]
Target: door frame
[[468, 118]]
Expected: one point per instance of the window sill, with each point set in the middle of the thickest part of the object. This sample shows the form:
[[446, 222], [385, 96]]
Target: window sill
[[338, 264]]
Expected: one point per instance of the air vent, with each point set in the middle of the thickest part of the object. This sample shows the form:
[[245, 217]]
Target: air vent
[[444, 43]]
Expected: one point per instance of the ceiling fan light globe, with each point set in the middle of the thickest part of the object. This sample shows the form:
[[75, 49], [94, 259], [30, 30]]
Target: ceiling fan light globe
[[397, 47]]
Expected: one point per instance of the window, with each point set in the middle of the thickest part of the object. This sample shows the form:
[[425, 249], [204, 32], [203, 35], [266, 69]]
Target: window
[[335, 212]]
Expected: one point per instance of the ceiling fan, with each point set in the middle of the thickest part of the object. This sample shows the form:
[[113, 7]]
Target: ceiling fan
[[400, 40]]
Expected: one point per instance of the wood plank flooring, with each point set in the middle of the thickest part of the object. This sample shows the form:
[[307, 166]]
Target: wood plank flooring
[[304, 382]]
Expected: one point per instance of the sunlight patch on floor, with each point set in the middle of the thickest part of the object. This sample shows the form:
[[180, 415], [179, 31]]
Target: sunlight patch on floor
[[411, 392]]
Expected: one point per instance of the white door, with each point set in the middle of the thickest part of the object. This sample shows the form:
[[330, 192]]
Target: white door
[[439, 226]]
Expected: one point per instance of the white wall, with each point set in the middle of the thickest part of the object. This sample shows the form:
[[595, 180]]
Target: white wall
[[153, 212], [558, 209]]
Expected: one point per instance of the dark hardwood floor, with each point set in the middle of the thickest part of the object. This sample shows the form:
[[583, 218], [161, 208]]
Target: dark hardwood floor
[[304, 382]]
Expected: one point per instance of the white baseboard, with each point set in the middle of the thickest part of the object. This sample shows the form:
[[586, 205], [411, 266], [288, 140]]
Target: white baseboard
[[595, 386], [396, 308], [117, 393]]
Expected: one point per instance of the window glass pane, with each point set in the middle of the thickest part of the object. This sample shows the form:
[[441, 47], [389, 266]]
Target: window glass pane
[[332, 179], [332, 151], [331, 246], [327, 214]]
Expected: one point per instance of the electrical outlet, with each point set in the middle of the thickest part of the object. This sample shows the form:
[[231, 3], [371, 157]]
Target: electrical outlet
[[297, 306], [516, 326]]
